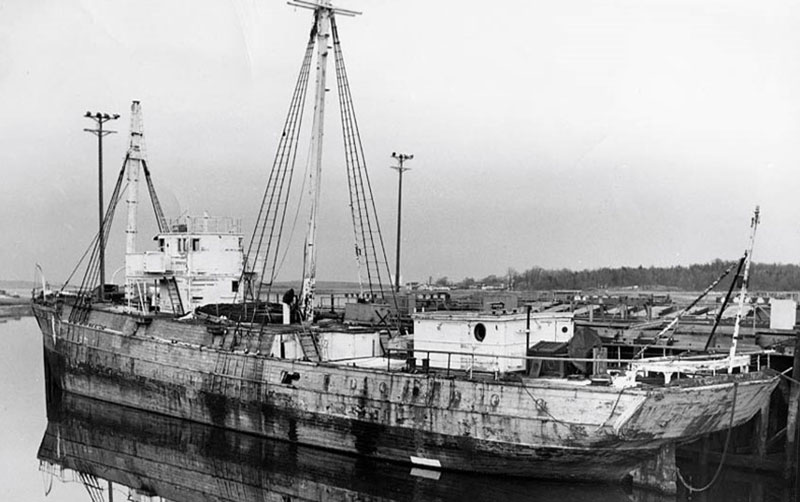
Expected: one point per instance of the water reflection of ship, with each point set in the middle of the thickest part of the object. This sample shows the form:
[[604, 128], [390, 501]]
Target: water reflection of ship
[[147, 455]]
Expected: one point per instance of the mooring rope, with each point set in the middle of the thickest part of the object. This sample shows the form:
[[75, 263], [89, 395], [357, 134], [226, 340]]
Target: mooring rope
[[683, 481]]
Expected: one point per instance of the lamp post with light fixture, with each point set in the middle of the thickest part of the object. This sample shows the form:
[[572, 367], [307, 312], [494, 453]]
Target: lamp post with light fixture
[[99, 119], [401, 158]]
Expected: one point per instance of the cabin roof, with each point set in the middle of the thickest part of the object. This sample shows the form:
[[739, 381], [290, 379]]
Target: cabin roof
[[488, 316]]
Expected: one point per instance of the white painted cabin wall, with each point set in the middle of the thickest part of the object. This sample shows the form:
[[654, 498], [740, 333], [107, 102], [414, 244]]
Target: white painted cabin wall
[[203, 272], [505, 335], [335, 345], [332, 346], [291, 347]]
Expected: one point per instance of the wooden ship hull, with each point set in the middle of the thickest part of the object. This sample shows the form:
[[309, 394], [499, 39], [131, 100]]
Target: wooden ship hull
[[536, 427], [112, 446]]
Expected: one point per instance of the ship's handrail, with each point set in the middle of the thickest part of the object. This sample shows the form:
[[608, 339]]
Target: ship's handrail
[[584, 359], [204, 225], [619, 362]]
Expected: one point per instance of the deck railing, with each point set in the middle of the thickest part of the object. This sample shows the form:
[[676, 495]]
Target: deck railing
[[205, 225], [494, 359], [607, 363]]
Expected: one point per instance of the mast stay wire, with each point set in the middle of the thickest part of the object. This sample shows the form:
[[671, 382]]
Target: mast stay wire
[[296, 218], [95, 261], [279, 201], [93, 266], [272, 212], [271, 217], [93, 271], [360, 185]]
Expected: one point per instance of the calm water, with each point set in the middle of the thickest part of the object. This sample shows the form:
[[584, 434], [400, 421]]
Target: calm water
[[87, 447]]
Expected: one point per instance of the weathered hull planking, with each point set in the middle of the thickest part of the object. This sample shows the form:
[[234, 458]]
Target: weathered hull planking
[[533, 427], [185, 461]]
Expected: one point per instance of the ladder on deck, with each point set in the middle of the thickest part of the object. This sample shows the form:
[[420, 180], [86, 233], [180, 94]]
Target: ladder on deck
[[174, 295], [310, 347]]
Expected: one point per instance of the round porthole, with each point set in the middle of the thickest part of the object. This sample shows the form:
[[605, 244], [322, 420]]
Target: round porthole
[[564, 329], [479, 332]]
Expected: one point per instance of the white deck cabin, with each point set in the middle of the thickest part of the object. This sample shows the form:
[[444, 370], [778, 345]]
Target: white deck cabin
[[479, 335], [341, 346], [198, 262]]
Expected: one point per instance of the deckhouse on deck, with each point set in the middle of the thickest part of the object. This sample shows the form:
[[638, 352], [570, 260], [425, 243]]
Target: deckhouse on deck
[[485, 334], [198, 261]]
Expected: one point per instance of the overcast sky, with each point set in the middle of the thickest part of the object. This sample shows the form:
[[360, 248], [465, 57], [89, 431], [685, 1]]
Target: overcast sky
[[576, 133]]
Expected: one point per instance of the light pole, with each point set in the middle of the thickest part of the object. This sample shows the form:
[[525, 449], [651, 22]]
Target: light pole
[[99, 119], [401, 158]]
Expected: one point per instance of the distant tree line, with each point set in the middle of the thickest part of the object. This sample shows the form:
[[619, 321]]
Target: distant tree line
[[763, 276]]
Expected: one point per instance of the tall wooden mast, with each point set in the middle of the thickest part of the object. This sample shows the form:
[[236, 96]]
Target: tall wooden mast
[[323, 12], [323, 22]]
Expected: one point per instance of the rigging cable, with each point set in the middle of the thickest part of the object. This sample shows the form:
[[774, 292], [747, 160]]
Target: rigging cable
[[92, 272], [684, 311], [736, 278], [272, 211], [297, 211], [365, 216], [273, 205]]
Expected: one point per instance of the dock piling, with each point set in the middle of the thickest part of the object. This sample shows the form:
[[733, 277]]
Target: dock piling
[[762, 430], [660, 473], [791, 420]]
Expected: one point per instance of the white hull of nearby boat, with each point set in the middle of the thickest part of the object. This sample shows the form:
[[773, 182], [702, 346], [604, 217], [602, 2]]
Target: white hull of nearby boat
[[531, 427]]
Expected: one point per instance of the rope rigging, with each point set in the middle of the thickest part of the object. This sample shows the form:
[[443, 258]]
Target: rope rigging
[[264, 257], [92, 274], [160, 219], [684, 311], [736, 278], [369, 245], [263, 251]]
